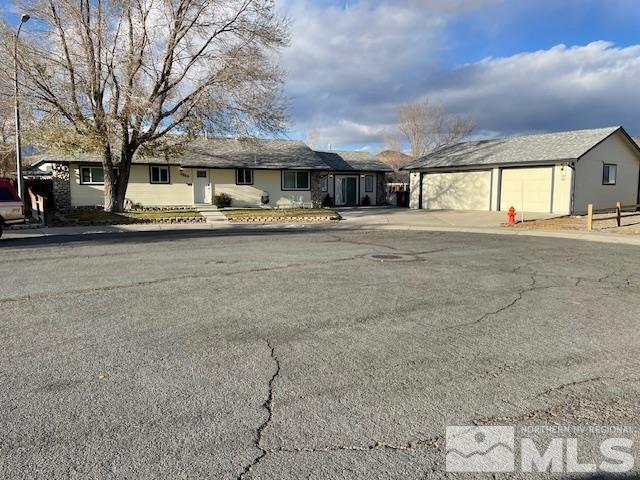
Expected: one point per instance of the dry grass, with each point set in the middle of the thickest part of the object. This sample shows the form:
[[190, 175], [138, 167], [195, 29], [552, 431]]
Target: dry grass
[[99, 215], [630, 223]]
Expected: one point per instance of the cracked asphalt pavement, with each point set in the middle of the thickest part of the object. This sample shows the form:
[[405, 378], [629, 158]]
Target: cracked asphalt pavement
[[323, 354]]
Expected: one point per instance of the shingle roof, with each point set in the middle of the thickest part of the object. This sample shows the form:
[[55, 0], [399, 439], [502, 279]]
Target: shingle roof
[[250, 153], [541, 148], [227, 153], [347, 160]]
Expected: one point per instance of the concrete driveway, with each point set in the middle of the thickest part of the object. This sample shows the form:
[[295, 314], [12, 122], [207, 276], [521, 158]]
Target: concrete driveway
[[322, 355], [430, 218]]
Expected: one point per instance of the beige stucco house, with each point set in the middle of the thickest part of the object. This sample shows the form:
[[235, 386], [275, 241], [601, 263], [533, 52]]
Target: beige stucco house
[[253, 172], [557, 173]]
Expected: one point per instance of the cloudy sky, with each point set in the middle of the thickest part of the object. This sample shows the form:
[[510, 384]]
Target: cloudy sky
[[515, 65]]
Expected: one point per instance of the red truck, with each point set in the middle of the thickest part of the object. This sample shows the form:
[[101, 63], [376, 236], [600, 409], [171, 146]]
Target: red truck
[[11, 207]]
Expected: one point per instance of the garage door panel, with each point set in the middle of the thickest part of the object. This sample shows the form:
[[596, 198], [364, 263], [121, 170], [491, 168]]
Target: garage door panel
[[526, 189], [457, 191]]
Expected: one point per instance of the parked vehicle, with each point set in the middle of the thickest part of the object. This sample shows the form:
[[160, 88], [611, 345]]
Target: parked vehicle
[[11, 207]]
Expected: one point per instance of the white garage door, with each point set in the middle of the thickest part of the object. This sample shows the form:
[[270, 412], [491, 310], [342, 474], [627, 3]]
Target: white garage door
[[457, 191], [526, 189]]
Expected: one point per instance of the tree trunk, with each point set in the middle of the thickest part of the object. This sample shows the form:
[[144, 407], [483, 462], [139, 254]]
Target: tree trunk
[[110, 198], [123, 177]]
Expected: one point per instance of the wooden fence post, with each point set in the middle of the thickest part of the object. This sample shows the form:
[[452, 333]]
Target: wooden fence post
[[590, 217], [618, 213]]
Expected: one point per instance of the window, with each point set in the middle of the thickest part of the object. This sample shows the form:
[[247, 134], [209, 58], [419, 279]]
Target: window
[[159, 174], [91, 176], [201, 174], [295, 180], [6, 195], [324, 183], [609, 174], [244, 176], [368, 183]]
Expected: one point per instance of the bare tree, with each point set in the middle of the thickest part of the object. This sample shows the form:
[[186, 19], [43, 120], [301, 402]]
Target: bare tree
[[428, 128], [312, 138], [392, 139], [140, 77], [395, 159]]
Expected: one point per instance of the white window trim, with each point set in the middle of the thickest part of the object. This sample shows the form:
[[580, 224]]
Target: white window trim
[[159, 181], [91, 182], [244, 181], [296, 188], [367, 190], [609, 183]]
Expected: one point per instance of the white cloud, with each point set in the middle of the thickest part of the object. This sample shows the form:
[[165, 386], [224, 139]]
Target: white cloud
[[556, 89], [351, 65], [348, 68]]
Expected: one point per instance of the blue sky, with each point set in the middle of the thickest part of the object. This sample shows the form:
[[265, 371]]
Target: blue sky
[[516, 66]]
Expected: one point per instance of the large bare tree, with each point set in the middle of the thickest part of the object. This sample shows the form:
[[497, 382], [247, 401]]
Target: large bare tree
[[429, 127], [136, 77]]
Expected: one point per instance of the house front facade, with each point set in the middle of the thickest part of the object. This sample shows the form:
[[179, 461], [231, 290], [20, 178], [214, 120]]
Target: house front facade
[[252, 172], [559, 173]]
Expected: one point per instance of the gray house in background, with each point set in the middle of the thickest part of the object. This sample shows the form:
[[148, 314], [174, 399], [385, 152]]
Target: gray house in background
[[355, 178], [549, 173], [253, 172]]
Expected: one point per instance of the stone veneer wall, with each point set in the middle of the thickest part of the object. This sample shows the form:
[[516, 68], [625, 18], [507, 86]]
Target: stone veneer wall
[[381, 189], [61, 186], [316, 194]]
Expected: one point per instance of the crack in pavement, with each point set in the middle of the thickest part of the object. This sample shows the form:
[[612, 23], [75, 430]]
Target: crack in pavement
[[519, 296], [268, 406], [433, 442], [571, 384]]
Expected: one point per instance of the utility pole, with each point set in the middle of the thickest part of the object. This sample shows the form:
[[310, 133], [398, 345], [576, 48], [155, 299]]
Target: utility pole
[[24, 19]]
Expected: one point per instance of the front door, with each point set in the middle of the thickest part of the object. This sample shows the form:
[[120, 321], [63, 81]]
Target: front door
[[201, 187], [346, 190]]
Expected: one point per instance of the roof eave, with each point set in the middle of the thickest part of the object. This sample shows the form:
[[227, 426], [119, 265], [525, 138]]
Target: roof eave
[[486, 166]]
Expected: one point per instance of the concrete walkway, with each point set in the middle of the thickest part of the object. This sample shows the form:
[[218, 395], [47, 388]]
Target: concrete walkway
[[211, 213]]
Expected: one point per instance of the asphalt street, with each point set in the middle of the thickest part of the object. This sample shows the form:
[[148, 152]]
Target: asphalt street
[[304, 354]]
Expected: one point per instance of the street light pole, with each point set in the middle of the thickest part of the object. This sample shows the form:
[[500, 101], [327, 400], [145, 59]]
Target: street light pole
[[24, 19]]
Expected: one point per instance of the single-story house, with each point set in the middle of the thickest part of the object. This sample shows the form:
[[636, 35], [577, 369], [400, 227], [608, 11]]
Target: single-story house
[[549, 173], [253, 172]]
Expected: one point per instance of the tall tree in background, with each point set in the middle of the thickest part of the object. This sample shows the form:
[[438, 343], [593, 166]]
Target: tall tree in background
[[134, 77], [428, 128]]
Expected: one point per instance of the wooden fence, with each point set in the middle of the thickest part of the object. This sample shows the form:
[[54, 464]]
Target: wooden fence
[[617, 211]]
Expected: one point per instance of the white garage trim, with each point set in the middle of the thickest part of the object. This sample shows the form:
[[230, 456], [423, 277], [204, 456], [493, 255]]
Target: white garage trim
[[527, 188], [457, 190]]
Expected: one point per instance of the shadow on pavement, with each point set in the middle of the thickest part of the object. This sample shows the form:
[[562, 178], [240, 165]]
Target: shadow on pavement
[[119, 238]]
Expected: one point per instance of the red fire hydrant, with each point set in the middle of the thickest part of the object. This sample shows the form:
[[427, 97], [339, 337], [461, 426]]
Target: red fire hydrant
[[511, 216]]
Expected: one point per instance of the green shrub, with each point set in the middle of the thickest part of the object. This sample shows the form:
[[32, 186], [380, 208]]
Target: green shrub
[[327, 201], [222, 201], [366, 201]]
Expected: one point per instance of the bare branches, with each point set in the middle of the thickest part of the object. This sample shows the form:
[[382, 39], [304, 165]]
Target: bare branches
[[428, 128], [131, 72]]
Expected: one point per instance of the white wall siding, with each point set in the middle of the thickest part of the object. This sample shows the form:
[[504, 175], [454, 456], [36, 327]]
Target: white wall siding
[[140, 190], [562, 188], [264, 181], [588, 183], [414, 190]]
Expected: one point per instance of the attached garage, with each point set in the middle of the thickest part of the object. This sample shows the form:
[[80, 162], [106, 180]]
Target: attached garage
[[469, 190], [527, 189]]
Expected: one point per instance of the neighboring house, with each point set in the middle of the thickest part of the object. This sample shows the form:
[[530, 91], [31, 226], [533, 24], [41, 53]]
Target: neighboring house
[[556, 173], [253, 172], [354, 176]]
